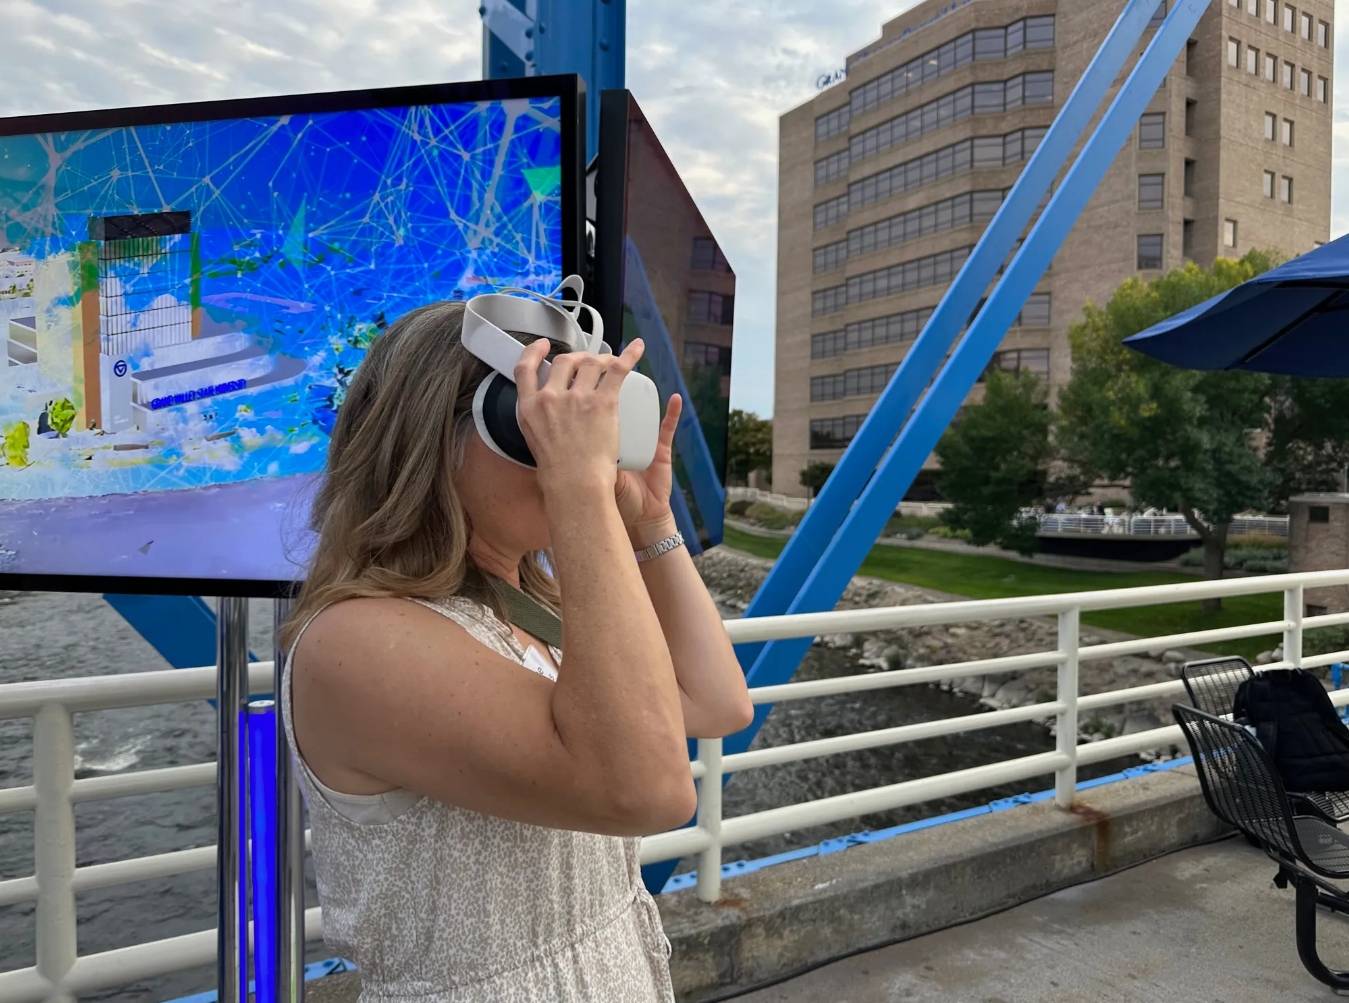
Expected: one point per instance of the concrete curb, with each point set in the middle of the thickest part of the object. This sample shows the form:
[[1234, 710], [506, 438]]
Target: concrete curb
[[784, 919]]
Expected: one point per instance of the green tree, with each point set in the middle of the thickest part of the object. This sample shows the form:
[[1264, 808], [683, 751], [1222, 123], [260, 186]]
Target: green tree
[[996, 461], [1309, 435], [62, 416], [749, 444], [1185, 440], [16, 444], [814, 474]]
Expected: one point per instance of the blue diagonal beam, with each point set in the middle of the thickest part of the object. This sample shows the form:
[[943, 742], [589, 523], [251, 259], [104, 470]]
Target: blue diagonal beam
[[826, 514], [846, 551], [831, 562]]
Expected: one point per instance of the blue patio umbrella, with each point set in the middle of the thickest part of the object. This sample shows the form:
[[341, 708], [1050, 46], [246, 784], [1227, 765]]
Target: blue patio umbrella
[[1293, 320]]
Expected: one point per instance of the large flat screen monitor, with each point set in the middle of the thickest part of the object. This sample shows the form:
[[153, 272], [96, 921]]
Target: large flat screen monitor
[[185, 292], [661, 275]]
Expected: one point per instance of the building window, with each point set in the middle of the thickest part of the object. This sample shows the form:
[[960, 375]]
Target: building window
[[827, 345], [704, 354], [831, 168], [1272, 11], [1190, 105], [1286, 189], [707, 256], [1152, 131], [1305, 83], [830, 257], [1151, 191], [1289, 18], [960, 210], [1288, 75], [1288, 132], [710, 308], [831, 212], [986, 43], [1318, 513], [1252, 60], [1190, 61], [1323, 34], [932, 270], [1019, 360], [994, 96], [1322, 89], [1187, 238], [1229, 233], [1271, 67], [1253, 8], [1306, 26], [1271, 126], [1269, 184], [1149, 251], [834, 433], [1233, 52], [1189, 179], [1158, 15], [831, 300], [1037, 311], [831, 123]]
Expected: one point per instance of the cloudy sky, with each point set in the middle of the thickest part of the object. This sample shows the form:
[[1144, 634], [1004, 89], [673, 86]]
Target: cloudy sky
[[712, 76]]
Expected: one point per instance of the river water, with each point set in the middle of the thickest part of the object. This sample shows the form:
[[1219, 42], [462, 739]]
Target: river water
[[45, 636]]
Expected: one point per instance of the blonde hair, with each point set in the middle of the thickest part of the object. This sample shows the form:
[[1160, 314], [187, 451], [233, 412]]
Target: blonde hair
[[388, 517]]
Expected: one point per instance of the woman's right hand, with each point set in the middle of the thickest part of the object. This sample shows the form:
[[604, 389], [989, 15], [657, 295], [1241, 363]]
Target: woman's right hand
[[571, 421]]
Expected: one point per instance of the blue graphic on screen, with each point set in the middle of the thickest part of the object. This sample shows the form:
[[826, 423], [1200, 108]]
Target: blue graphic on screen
[[182, 307]]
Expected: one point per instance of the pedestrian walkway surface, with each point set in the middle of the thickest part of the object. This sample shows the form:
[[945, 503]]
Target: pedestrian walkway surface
[[1204, 925]]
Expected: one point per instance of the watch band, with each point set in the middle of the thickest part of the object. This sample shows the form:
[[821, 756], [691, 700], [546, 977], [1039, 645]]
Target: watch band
[[671, 542]]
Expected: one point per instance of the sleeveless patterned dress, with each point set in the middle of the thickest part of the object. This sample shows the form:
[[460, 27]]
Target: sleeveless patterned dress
[[440, 904]]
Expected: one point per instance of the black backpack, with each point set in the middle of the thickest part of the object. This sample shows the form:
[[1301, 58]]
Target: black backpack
[[1297, 724]]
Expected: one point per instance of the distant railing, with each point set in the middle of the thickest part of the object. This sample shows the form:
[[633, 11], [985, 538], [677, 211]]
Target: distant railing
[[61, 973], [1161, 525], [793, 503]]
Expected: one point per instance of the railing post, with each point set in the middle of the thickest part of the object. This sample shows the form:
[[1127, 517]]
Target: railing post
[[709, 819], [1292, 633], [289, 841], [54, 845], [1065, 780], [231, 695]]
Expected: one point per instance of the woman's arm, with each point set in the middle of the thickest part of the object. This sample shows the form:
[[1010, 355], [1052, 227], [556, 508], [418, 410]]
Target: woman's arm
[[711, 683]]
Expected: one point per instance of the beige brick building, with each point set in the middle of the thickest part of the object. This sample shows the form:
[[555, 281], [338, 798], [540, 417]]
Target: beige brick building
[[887, 179]]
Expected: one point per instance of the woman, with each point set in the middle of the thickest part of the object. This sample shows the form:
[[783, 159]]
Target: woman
[[475, 804]]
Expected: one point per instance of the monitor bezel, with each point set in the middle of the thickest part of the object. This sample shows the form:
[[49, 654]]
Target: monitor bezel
[[567, 87]]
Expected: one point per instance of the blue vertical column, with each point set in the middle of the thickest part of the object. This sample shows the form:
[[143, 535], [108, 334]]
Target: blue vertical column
[[525, 38]]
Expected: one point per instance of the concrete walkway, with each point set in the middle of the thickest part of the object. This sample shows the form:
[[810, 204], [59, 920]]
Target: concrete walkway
[[1204, 924]]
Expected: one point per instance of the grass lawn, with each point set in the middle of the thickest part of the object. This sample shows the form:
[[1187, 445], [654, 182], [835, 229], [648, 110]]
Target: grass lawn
[[975, 576]]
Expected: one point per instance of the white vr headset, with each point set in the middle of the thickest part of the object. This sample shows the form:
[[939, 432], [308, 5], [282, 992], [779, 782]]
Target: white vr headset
[[488, 317]]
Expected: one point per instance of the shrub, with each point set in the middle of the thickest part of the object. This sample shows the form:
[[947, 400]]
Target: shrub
[[903, 525], [771, 517], [739, 507], [1325, 640], [945, 532]]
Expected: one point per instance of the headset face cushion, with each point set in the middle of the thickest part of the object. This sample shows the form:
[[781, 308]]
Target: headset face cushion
[[498, 421]]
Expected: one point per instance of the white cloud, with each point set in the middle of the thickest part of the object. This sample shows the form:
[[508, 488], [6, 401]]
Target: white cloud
[[713, 77]]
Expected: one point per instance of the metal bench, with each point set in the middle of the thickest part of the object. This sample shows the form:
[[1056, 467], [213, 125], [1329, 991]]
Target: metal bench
[[1212, 686], [1243, 789]]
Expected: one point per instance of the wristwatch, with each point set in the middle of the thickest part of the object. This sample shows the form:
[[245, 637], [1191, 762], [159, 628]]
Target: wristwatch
[[672, 541]]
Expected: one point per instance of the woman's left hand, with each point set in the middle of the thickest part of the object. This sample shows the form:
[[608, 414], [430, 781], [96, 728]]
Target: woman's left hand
[[643, 496]]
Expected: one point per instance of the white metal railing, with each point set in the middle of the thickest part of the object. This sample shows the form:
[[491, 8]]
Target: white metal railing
[[1150, 525], [712, 833], [61, 974], [794, 503]]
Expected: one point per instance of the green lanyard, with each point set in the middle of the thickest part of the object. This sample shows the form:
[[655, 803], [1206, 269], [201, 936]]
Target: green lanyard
[[529, 614]]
